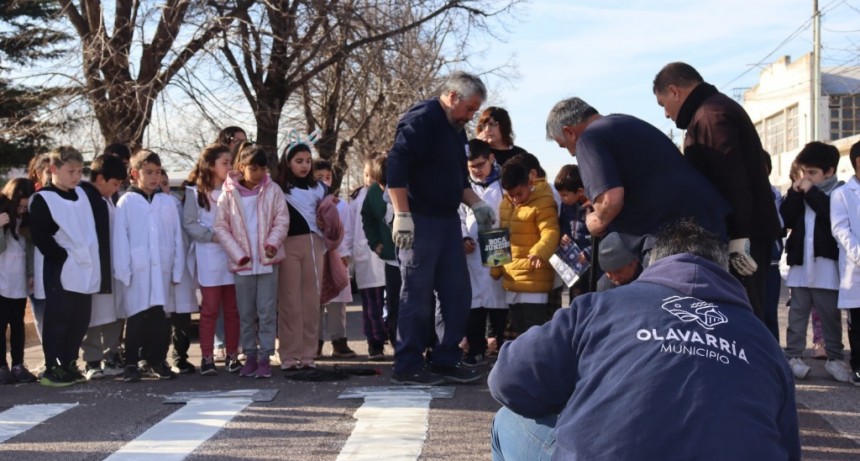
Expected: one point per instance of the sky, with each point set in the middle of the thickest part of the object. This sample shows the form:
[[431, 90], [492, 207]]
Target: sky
[[607, 53]]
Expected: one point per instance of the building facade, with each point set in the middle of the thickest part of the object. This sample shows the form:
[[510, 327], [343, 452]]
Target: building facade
[[780, 105]]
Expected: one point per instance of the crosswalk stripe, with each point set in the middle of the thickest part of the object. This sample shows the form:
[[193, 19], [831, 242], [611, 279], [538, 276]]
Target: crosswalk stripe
[[21, 418], [177, 435], [391, 427]]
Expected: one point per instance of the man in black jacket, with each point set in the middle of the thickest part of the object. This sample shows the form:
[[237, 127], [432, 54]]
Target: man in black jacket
[[722, 143]]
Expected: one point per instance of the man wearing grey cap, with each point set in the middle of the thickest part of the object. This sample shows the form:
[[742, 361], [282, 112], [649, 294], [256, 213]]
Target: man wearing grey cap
[[620, 265], [635, 177]]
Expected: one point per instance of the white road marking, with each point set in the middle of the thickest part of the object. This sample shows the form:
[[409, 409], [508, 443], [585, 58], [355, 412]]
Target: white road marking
[[389, 427], [177, 435], [22, 418]]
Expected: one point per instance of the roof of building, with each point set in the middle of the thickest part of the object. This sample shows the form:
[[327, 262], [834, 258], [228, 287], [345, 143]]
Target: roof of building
[[840, 80]]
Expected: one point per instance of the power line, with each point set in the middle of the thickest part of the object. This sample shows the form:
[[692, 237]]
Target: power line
[[764, 60]]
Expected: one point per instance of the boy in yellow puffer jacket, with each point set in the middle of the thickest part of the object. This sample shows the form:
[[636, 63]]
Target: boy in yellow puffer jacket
[[530, 212]]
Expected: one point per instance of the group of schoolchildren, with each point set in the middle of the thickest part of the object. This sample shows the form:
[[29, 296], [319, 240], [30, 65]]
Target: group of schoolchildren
[[822, 258], [115, 272], [270, 256]]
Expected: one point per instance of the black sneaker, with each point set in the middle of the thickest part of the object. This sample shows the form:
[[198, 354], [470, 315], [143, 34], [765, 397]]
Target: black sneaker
[[421, 377], [6, 376], [75, 372], [375, 352], [855, 378], [22, 374], [207, 367], [162, 371], [131, 374], [185, 367], [232, 364], [473, 360], [57, 376], [458, 374]]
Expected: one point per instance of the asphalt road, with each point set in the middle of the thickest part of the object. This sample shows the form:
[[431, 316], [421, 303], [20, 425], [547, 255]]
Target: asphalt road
[[306, 420]]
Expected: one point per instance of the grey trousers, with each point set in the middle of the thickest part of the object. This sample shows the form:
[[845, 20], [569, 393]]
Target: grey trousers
[[333, 319], [802, 300], [101, 340], [256, 298]]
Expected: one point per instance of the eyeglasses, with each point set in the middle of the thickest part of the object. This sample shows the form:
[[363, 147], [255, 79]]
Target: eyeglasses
[[478, 166], [486, 125]]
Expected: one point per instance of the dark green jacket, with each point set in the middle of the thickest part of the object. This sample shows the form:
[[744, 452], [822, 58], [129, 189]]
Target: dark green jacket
[[373, 220]]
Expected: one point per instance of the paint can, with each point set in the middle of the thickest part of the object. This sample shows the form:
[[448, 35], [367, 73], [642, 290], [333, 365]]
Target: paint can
[[495, 245]]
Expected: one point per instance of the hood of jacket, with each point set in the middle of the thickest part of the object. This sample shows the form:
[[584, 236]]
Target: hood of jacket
[[233, 183], [697, 277]]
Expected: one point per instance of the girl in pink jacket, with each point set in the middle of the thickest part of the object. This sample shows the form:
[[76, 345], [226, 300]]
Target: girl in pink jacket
[[251, 224]]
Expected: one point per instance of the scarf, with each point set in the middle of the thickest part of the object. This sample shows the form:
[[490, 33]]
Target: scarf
[[493, 177], [828, 184], [695, 99]]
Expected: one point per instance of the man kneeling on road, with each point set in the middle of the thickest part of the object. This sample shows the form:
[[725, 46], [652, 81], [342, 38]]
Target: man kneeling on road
[[672, 366]]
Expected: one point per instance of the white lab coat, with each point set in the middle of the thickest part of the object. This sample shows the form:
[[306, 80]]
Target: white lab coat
[[845, 225], [486, 292], [206, 259], [183, 297], [13, 277], [81, 273], [369, 268], [107, 307], [147, 250]]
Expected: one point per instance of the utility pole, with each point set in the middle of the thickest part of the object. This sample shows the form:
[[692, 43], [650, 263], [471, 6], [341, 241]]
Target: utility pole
[[816, 70]]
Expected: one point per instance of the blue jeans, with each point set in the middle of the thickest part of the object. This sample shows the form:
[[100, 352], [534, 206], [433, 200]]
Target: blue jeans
[[436, 262], [516, 437]]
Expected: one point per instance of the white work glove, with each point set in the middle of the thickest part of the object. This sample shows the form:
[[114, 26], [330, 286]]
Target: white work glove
[[485, 217], [403, 230], [739, 257]]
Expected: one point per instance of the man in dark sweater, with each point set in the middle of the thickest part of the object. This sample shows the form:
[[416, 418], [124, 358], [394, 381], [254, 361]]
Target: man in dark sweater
[[672, 366], [427, 181], [635, 178], [722, 143]]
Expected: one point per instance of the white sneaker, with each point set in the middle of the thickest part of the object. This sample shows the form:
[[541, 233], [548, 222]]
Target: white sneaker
[[93, 373], [799, 368], [839, 370]]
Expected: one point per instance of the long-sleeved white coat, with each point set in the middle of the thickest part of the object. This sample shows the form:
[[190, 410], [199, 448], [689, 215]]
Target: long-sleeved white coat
[[486, 292], [845, 225], [148, 250], [369, 268]]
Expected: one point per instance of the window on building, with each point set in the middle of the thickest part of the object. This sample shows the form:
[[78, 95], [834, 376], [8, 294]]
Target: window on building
[[774, 127], [844, 116], [781, 131], [792, 128]]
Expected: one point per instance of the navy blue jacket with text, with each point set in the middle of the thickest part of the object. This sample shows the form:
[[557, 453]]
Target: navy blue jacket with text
[[672, 366]]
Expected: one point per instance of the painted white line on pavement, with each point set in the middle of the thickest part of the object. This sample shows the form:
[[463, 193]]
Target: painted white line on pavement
[[389, 427], [177, 435], [22, 418]]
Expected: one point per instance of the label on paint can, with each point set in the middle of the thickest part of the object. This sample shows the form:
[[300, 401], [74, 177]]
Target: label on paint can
[[495, 247]]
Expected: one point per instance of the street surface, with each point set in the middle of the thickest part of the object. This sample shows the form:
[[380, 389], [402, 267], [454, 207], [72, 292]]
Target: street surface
[[110, 419]]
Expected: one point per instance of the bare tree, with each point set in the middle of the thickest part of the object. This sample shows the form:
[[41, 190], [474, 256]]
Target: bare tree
[[278, 47], [163, 37], [356, 102]]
